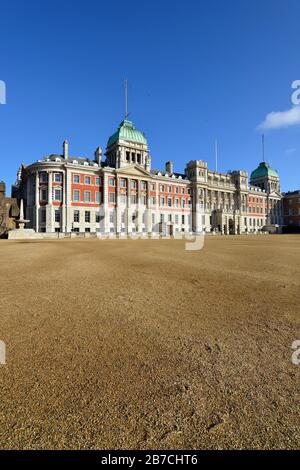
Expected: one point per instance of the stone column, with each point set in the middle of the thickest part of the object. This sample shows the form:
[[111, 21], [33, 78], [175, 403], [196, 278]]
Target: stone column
[[49, 207], [37, 200], [63, 208], [28, 198], [157, 207], [105, 203], [140, 220], [68, 192], [128, 209], [149, 210], [197, 211], [118, 209], [50, 187], [218, 199]]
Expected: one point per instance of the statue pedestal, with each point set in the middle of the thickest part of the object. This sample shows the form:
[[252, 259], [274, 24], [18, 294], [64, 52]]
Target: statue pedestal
[[23, 234]]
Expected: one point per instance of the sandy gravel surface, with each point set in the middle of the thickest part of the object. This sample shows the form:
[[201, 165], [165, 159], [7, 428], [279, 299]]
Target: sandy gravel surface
[[141, 344]]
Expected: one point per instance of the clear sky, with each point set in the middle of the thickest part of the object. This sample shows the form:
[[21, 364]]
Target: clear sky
[[197, 70]]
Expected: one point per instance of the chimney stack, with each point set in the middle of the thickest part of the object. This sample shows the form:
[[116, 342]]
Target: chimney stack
[[169, 167], [98, 155], [66, 150]]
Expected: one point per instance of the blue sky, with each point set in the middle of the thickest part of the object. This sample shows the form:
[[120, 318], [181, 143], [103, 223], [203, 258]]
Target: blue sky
[[197, 70]]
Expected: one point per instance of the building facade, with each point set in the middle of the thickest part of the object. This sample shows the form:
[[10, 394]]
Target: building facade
[[120, 194], [291, 209]]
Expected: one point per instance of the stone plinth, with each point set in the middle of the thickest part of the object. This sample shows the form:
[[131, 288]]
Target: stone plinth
[[23, 234]]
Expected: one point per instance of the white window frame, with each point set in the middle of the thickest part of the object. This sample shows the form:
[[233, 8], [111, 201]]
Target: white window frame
[[60, 194], [74, 198], [89, 199], [77, 212], [111, 198], [59, 176]]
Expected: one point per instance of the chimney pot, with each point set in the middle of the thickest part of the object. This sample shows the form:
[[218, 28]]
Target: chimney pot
[[66, 150], [169, 167]]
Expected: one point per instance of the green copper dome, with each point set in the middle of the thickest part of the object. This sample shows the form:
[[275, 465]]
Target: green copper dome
[[127, 131], [264, 170]]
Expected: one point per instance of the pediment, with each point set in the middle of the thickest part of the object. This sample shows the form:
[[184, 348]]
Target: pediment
[[133, 170], [275, 194]]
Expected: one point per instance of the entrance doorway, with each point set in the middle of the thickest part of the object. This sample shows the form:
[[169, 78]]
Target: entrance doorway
[[170, 230]]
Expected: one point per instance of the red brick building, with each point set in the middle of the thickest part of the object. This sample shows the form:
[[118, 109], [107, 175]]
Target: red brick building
[[291, 208]]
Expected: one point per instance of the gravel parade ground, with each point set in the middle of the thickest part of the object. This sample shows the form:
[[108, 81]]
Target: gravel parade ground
[[123, 344]]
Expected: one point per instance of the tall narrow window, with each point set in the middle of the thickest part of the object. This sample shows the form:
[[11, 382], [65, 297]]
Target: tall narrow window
[[57, 194], [87, 196], [112, 198], [44, 194], [58, 177], [57, 215], [76, 195], [76, 216]]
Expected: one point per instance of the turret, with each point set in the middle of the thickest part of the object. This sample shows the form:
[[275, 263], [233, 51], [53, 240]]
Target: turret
[[196, 170]]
